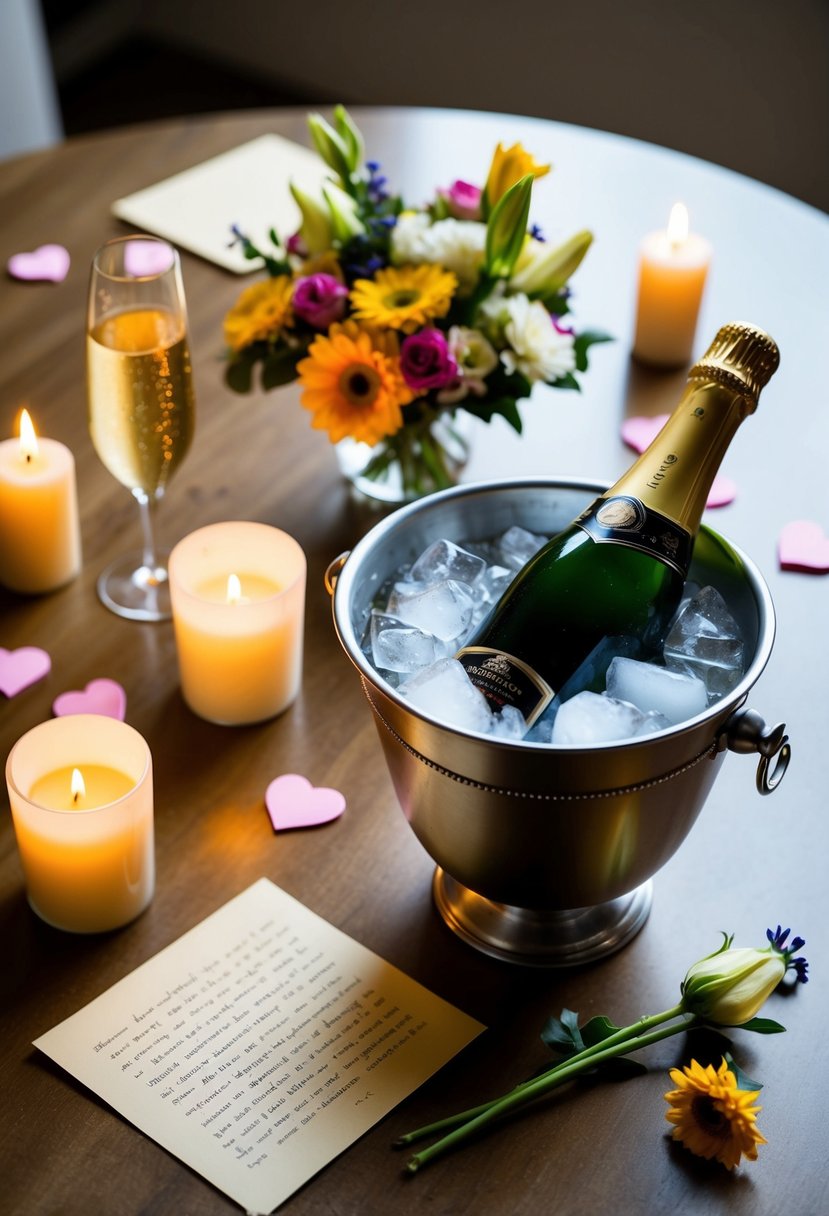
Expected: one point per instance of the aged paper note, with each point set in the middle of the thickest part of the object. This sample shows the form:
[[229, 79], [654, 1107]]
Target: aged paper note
[[259, 1045], [247, 186]]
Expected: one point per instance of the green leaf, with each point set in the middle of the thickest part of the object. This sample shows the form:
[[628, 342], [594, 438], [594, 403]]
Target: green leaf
[[584, 341], [278, 368], [744, 1082], [762, 1026], [597, 1030], [239, 374], [568, 380], [488, 409]]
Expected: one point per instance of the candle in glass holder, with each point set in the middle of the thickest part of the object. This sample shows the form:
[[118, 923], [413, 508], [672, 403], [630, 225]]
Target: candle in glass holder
[[673, 267], [40, 539], [238, 596], [81, 796]]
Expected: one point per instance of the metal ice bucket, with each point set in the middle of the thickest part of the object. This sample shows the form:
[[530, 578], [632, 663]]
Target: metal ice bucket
[[545, 853]]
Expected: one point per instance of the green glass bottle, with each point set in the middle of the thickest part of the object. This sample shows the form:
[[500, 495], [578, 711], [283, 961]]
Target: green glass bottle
[[617, 571]]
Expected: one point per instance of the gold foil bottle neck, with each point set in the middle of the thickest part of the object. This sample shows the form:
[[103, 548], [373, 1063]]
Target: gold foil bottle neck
[[742, 357]]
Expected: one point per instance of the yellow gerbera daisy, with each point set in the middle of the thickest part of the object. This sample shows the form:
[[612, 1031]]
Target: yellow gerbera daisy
[[713, 1117], [404, 297], [261, 311], [352, 384]]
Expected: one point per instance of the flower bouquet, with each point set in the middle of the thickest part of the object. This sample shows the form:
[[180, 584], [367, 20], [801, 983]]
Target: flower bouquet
[[393, 320]]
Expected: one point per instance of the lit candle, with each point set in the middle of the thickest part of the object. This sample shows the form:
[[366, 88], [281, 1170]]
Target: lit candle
[[673, 267], [81, 796], [40, 540], [238, 596]]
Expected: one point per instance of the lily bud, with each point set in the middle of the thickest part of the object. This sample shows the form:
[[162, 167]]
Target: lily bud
[[316, 229], [506, 229], [345, 222], [351, 136], [549, 269], [331, 146], [730, 986], [508, 166]]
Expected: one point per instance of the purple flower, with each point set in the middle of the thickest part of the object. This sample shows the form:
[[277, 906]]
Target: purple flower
[[463, 200], [320, 299], [426, 361]]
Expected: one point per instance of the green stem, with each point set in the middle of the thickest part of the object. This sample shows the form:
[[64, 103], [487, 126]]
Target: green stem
[[630, 1039]]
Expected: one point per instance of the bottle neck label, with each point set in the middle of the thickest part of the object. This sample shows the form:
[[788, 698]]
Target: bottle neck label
[[621, 519], [506, 680]]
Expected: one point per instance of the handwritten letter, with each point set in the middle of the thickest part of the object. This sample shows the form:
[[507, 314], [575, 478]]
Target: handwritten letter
[[259, 1045]]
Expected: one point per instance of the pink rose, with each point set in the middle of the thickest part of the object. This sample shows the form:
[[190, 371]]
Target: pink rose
[[320, 299], [463, 200], [426, 361]]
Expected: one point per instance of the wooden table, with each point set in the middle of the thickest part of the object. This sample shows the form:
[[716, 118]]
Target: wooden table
[[748, 863]]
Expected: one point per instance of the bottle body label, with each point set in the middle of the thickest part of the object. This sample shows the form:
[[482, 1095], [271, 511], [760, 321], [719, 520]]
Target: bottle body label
[[622, 519], [506, 680]]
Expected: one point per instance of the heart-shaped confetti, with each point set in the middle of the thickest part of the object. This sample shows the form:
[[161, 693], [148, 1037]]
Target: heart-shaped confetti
[[47, 263], [143, 258], [639, 432], [803, 546], [293, 802], [105, 697], [20, 668]]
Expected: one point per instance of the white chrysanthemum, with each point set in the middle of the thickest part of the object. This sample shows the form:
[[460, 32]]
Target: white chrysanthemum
[[457, 245], [536, 348]]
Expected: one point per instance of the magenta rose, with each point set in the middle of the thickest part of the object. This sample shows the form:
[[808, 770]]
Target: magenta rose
[[320, 300], [426, 360], [463, 200]]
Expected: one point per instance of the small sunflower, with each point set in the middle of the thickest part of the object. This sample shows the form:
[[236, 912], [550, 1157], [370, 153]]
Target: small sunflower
[[713, 1117], [352, 384], [260, 313], [404, 297]]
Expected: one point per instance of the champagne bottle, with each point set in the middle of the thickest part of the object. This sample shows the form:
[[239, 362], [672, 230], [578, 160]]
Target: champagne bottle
[[618, 570]]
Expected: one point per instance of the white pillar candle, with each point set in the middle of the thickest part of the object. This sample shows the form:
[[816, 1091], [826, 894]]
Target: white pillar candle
[[86, 849], [40, 539], [673, 267], [238, 596]]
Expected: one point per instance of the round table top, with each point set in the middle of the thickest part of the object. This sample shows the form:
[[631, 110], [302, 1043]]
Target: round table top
[[748, 862]]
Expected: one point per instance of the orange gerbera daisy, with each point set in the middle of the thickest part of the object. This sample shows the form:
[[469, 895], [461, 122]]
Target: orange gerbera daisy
[[713, 1117], [404, 297], [260, 313], [352, 384]]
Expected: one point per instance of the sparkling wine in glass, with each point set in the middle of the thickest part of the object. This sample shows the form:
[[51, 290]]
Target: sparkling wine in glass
[[140, 399]]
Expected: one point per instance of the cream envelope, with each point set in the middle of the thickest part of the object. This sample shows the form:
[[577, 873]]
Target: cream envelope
[[247, 186]]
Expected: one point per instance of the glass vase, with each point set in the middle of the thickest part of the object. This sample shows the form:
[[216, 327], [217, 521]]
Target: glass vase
[[423, 456]]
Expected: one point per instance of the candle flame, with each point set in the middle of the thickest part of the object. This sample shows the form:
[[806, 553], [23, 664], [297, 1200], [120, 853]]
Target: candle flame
[[77, 786], [28, 438], [678, 225], [234, 589]]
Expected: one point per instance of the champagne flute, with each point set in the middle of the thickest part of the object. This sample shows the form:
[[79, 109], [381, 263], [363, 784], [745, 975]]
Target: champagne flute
[[140, 399]]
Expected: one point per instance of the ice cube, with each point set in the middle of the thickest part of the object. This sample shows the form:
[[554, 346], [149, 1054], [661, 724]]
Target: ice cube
[[444, 610], [592, 717], [508, 724], [445, 691], [673, 693], [494, 582], [517, 545], [396, 646], [705, 641], [443, 560]]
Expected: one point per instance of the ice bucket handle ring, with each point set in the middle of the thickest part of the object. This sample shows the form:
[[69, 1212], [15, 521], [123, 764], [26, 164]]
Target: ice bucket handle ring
[[332, 572], [746, 732]]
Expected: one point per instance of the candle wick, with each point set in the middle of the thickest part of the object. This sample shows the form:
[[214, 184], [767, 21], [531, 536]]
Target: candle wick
[[76, 796], [28, 458]]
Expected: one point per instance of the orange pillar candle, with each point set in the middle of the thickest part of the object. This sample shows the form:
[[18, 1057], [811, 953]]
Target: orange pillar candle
[[673, 267], [238, 596], [81, 796], [40, 539]]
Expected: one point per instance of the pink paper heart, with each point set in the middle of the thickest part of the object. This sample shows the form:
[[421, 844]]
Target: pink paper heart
[[293, 802], [49, 263], [638, 432], [105, 697], [142, 258], [803, 546], [20, 668]]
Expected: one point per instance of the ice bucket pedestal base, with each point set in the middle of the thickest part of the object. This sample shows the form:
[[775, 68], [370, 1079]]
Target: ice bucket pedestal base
[[539, 938]]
